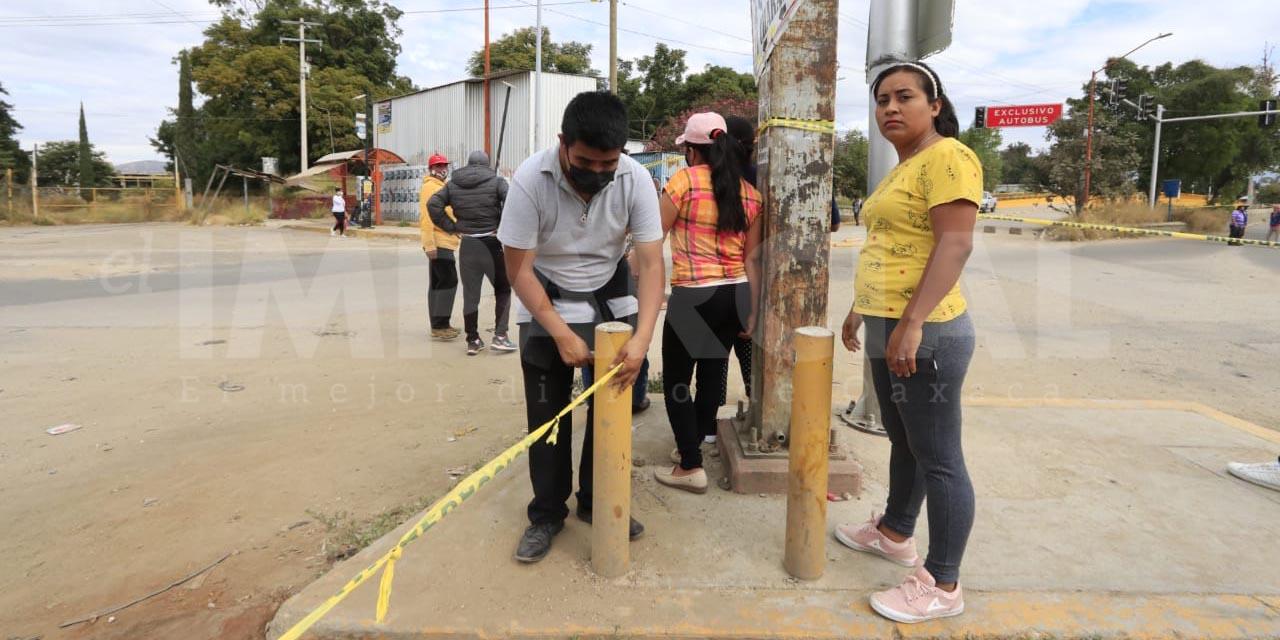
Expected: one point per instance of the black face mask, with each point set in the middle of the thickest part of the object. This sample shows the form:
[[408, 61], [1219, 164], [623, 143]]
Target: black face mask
[[588, 181]]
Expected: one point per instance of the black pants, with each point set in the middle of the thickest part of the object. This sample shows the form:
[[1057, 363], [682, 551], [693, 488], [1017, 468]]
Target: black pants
[[481, 258], [443, 288], [701, 325], [1235, 233], [548, 387], [340, 222], [742, 349]]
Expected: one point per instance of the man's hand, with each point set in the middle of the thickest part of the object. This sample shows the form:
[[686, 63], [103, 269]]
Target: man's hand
[[632, 357], [574, 350]]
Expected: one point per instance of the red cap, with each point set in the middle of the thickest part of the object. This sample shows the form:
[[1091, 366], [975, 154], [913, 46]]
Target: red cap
[[437, 159]]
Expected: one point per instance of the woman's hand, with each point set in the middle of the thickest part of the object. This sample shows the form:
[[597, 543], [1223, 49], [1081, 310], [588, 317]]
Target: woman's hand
[[849, 334], [750, 329], [903, 344]]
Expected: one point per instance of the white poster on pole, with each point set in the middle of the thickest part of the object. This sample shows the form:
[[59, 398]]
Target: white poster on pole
[[769, 20]]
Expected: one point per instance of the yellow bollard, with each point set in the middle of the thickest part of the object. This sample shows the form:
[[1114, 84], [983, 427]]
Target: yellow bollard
[[611, 474], [807, 466]]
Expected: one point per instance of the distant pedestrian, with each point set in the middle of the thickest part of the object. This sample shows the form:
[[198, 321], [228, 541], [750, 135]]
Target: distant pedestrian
[[1273, 234], [857, 212], [1239, 221], [339, 210], [835, 212], [477, 194], [441, 248]]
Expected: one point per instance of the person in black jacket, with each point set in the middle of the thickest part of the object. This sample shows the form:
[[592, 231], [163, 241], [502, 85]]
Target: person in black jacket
[[477, 195]]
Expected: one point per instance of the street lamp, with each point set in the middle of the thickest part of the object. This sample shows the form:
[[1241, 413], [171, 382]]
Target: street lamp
[[1093, 81]]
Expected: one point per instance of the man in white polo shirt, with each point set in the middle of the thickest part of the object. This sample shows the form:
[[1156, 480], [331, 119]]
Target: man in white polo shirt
[[564, 230]]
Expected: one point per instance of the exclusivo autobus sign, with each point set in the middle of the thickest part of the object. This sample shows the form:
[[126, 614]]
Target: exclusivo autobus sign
[[1028, 115]]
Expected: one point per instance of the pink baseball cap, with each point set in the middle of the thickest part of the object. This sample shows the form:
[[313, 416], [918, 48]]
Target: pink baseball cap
[[702, 127]]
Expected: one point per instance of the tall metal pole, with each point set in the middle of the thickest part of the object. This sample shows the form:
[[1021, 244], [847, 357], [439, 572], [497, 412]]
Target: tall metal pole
[[35, 181], [1088, 141], [1155, 155], [537, 86], [488, 126], [613, 47]]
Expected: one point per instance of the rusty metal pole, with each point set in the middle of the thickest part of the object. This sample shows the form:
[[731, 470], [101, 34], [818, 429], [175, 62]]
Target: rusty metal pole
[[611, 471], [488, 133], [797, 82], [807, 467]]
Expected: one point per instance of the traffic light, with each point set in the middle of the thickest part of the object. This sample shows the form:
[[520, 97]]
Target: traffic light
[[1146, 106], [1267, 119], [1121, 88], [980, 118]]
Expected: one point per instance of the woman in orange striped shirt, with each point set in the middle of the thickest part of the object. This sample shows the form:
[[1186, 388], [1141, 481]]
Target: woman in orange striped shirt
[[712, 216]]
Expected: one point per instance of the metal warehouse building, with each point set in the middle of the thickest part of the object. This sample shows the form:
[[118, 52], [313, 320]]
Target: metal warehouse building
[[449, 119]]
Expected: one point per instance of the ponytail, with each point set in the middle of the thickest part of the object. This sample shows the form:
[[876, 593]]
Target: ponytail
[[724, 156], [946, 122]]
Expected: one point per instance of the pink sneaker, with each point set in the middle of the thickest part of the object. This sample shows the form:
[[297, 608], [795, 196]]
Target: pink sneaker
[[918, 600], [867, 538]]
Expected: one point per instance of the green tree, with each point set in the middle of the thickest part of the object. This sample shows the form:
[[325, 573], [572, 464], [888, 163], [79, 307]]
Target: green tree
[[11, 154], [60, 166], [718, 83], [518, 50], [850, 164], [985, 143], [250, 82], [184, 131], [85, 151], [1018, 165], [1115, 156], [656, 93]]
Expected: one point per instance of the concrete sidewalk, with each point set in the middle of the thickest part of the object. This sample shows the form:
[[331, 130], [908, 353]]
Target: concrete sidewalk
[[1095, 519], [386, 232]]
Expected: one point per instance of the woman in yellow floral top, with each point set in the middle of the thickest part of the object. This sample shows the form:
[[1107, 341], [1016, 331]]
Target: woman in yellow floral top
[[920, 221]]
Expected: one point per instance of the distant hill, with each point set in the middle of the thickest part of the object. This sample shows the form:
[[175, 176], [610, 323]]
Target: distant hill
[[141, 167]]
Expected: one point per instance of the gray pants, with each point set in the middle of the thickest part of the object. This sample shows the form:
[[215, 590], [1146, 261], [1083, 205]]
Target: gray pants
[[478, 259], [922, 417]]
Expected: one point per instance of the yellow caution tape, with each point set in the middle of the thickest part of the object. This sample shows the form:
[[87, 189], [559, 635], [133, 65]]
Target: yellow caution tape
[[820, 126], [1142, 232], [460, 493]]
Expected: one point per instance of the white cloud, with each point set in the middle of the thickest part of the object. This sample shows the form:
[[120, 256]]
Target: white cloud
[[1002, 51]]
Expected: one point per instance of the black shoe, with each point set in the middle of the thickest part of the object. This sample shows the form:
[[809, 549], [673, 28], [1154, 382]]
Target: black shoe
[[634, 532], [639, 408], [536, 541]]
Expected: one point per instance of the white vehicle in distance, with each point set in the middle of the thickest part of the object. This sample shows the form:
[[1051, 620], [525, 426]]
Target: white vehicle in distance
[[989, 202]]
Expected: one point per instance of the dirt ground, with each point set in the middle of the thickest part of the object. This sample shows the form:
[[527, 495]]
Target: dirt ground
[[229, 405]]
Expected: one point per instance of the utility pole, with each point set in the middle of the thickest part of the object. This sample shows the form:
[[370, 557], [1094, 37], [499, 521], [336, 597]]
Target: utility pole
[[488, 125], [613, 47], [537, 85], [302, 76], [1155, 156], [797, 86], [35, 181]]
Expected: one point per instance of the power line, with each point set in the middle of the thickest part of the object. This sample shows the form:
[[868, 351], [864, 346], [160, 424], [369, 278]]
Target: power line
[[147, 19], [700, 28], [647, 35]]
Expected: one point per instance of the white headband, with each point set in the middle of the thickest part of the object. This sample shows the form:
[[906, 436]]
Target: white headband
[[932, 82]]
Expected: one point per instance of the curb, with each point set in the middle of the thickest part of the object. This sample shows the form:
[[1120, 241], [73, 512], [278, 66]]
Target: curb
[[356, 232]]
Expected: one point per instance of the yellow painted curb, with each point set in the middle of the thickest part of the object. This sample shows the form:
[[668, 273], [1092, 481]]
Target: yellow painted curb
[[1229, 420]]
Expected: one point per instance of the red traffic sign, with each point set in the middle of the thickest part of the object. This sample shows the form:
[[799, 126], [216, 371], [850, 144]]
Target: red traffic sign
[[1029, 115]]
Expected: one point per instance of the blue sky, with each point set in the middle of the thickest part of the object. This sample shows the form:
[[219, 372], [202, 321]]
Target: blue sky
[[115, 55]]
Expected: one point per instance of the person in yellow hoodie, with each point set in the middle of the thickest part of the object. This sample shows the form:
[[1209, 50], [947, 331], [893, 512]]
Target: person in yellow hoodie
[[441, 248]]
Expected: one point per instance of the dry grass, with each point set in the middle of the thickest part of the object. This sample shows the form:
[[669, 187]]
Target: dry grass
[[1209, 221]]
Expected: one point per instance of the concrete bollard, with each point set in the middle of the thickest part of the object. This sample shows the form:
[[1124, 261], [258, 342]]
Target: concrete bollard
[[807, 465], [611, 460]]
